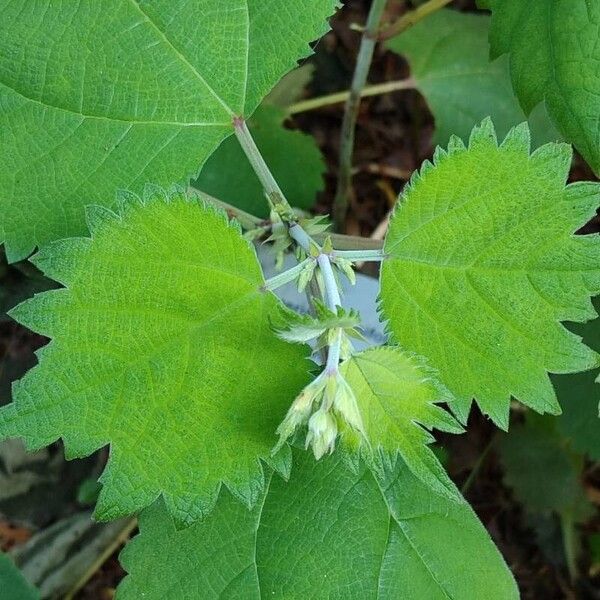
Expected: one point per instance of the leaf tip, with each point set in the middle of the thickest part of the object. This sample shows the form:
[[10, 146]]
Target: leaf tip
[[518, 139], [97, 217], [483, 134]]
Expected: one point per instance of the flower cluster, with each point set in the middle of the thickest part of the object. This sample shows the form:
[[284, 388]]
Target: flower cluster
[[326, 406]]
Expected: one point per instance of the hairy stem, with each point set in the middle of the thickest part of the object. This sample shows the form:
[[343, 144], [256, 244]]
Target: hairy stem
[[332, 294], [296, 231], [270, 186], [338, 97], [332, 300], [333, 355], [312, 292], [300, 236], [287, 276], [246, 220], [363, 63], [350, 242], [411, 18], [362, 255]]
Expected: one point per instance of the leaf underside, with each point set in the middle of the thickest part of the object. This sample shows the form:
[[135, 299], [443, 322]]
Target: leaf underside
[[448, 53], [484, 265], [100, 95], [161, 347], [554, 52], [397, 394], [329, 533]]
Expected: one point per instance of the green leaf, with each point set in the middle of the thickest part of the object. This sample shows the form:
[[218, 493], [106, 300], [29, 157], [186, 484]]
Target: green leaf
[[554, 57], [99, 95], [291, 87], [542, 469], [161, 347], [328, 533], [397, 394], [12, 583], [448, 56], [483, 266], [296, 327], [292, 156], [579, 396]]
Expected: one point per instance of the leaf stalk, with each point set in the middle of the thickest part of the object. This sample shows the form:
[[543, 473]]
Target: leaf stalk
[[321, 439], [360, 255], [411, 18], [270, 186], [370, 90], [287, 276]]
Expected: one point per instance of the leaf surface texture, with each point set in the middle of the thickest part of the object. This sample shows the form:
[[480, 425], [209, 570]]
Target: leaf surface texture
[[100, 95], [161, 347], [328, 533], [396, 393], [484, 265]]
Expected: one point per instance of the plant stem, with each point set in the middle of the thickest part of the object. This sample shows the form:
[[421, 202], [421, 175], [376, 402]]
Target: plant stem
[[246, 220], [312, 292], [477, 466], [332, 294], [121, 538], [362, 255], [282, 278], [370, 90], [333, 354], [569, 535], [270, 186], [300, 236], [411, 18], [350, 242], [363, 62], [296, 231], [332, 300]]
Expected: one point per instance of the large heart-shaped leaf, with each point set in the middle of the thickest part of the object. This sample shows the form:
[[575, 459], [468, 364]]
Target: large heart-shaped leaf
[[105, 94], [161, 347], [554, 55], [484, 265], [328, 533]]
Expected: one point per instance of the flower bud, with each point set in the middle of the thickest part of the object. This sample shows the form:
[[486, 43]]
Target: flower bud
[[299, 411], [322, 432], [346, 406], [346, 267], [306, 275]]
